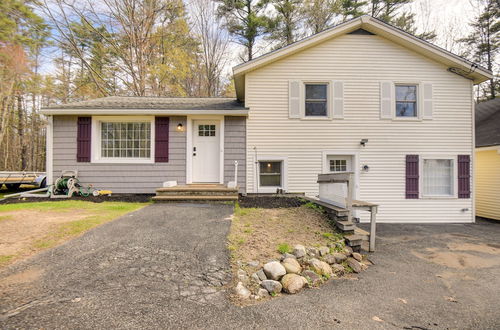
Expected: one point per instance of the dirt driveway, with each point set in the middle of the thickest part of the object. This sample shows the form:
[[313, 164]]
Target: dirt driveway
[[165, 266]]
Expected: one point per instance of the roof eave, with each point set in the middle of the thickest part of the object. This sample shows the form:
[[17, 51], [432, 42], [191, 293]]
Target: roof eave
[[142, 112]]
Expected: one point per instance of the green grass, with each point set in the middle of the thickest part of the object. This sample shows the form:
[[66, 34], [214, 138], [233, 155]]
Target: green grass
[[100, 213], [238, 211], [284, 248], [5, 217], [314, 206], [5, 259]]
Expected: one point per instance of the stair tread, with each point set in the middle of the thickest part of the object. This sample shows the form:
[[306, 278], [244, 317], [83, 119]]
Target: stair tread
[[203, 197]]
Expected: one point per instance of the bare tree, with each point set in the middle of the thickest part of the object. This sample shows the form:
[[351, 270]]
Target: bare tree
[[214, 44]]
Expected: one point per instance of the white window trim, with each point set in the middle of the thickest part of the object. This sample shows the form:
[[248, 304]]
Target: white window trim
[[284, 171], [453, 158], [96, 139], [419, 101], [329, 100]]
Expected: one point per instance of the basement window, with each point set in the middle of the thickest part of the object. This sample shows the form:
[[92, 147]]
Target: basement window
[[270, 173]]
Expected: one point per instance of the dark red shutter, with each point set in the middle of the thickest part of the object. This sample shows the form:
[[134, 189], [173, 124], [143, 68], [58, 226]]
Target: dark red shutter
[[412, 176], [161, 139], [463, 176], [83, 139]]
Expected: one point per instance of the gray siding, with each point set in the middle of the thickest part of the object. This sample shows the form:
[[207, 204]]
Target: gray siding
[[120, 178], [235, 149]]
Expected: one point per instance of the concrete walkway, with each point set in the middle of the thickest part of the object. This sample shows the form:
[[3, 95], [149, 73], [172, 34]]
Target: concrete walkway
[[165, 266]]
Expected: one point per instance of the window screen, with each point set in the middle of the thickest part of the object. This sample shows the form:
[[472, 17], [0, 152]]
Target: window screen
[[270, 173], [316, 100]]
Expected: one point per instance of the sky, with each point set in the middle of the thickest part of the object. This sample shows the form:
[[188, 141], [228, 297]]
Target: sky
[[448, 18]]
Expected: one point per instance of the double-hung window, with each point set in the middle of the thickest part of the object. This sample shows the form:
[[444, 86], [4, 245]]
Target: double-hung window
[[438, 177], [316, 100], [406, 101]]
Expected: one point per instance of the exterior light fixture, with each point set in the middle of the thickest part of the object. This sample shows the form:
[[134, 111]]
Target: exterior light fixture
[[363, 142], [180, 127]]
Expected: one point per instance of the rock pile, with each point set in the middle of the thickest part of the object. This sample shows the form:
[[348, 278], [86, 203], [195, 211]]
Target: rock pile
[[305, 267]]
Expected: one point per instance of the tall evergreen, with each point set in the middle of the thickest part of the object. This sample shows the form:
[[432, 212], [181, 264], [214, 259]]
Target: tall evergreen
[[484, 42], [245, 20], [283, 28], [352, 8], [318, 14]]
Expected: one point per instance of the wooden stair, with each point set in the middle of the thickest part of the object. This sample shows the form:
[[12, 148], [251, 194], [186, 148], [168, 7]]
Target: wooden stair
[[196, 192]]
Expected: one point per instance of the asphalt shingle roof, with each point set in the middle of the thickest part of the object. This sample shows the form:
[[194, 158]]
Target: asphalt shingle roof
[[148, 103], [488, 123]]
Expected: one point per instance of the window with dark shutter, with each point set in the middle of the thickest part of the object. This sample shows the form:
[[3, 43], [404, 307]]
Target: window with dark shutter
[[463, 176], [412, 176], [161, 139], [83, 139]]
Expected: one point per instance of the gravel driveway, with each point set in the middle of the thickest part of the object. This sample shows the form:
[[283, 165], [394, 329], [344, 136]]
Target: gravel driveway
[[165, 266]]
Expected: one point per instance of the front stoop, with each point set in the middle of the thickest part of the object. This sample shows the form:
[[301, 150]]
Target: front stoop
[[209, 192]]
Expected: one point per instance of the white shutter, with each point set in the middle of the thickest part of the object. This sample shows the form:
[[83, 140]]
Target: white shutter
[[294, 98], [387, 100], [427, 102], [338, 99]]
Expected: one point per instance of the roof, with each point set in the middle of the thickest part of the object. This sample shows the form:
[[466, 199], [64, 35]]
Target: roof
[[149, 105], [488, 123], [372, 25]]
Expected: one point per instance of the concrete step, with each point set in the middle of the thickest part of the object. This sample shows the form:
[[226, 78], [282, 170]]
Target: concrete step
[[195, 198]]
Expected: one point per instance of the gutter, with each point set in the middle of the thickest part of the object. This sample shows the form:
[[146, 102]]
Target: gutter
[[142, 112]]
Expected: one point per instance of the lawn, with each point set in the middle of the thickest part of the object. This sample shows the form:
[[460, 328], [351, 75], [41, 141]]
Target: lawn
[[28, 228], [264, 234]]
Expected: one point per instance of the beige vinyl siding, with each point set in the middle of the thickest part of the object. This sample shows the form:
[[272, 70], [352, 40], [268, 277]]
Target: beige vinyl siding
[[361, 62], [488, 183], [120, 178]]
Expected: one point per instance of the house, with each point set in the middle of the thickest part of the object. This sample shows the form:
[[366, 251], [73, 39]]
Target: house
[[362, 96], [488, 159]]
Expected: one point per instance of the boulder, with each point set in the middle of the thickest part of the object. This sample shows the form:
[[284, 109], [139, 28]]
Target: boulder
[[293, 283], [242, 275], [274, 270], [312, 252], [287, 255], [292, 266], [313, 279], [256, 278], [241, 291], [253, 263], [323, 251], [271, 286], [338, 269], [340, 257], [299, 251], [357, 256], [262, 293], [320, 267], [330, 259], [348, 250], [354, 264], [262, 276]]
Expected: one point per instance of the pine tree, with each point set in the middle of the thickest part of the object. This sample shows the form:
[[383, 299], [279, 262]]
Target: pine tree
[[352, 9], [318, 14], [393, 12], [245, 20], [283, 28], [484, 41]]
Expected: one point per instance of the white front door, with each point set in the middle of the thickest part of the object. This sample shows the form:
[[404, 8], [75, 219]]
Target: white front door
[[206, 151]]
